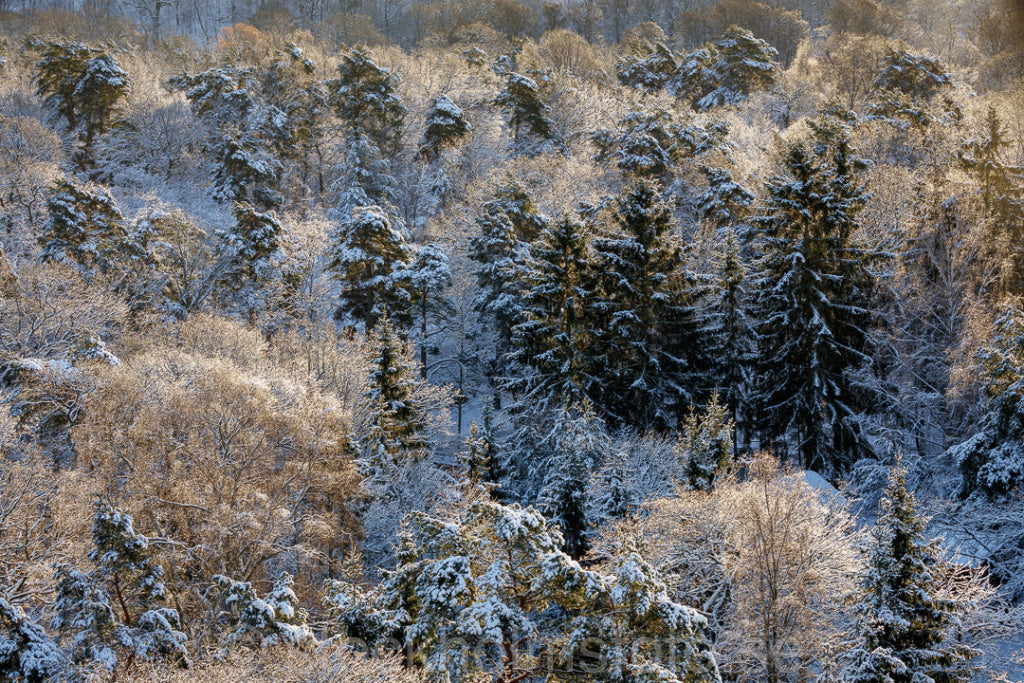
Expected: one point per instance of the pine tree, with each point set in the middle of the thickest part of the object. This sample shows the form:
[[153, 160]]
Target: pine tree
[[727, 72], [255, 239], [27, 652], [579, 446], [268, 621], [84, 225], [905, 85], [992, 460], [533, 131], [291, 86], [1001, 187], [725, 202], [553, 337], [616, 498], [705, 445], [813, 301], [650, 67], [83, 86], [369, 254], [904, 623], [57, 74], [364, 178], [115, 612], [650, 348], [731, 332], [508, 224], [364, 97], [250, 135], [494, 577], [446, 125], [396, 421], [102, 85], [482, 449], [651, 144]]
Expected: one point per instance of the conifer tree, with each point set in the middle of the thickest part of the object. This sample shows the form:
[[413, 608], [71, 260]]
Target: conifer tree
[[268, 621], [992, 460], [27, 652], [250, 135], [57, 75], [650, 67], [726, 72], [255, 239], [1001, 188], [650, 349], [102, 85], [84, 225], [725, 202], [651, 144], [579, 446], [731, 332], [364, 178], [446, 125], [493, 577], [83, 86], [616, 498], [364, 97], [369, 254], [904, 623], [528, 114], [705, 445], [813, 301], [508, 224], [396, 421], [552, 340], [482, 449], [904, 87], [115, 613], [291, 86]]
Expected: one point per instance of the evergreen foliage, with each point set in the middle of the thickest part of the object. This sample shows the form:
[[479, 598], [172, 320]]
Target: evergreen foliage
[[508, 224], [482, 449], [27, 653], [730, 329], [552, 341], [364, 97], [267, 621], [905, 625], [84, 225], [446, 125], [83, 86], [579, 446], [396, 422], [705, 446], [992, 460], [425, 278], [248, 133], [528, 114], [255, 239], [369, 255], [115, 613], [493, 593], [813, 301], [650, 348], [652, 144], [723, 73]]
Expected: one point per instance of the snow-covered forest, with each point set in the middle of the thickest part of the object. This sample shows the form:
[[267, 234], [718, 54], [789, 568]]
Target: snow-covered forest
[[512, 341]]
